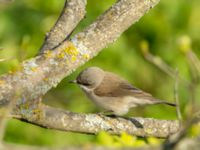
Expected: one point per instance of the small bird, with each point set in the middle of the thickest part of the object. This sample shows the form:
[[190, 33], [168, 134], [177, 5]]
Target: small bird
[[113, 93]]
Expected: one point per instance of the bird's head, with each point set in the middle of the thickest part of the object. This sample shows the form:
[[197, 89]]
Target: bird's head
[[89, 78]]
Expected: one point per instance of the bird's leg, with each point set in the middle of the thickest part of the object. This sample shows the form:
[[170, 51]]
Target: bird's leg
[[106, 113], [134, 121]]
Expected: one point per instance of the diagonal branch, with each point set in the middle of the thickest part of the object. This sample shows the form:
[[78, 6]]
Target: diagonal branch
[[72, 13], [176, 138]]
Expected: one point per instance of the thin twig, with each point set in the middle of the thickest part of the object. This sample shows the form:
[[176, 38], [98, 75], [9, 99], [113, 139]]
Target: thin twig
[[194, 66], [158, 62], [5, 59], [2, 60], [174, 139], [72, 13], [195, 62], [176, 97]]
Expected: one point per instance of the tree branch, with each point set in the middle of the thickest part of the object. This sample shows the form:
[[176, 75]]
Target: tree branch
[[36, 76], [176, 138], [49, 117], [72, 13]]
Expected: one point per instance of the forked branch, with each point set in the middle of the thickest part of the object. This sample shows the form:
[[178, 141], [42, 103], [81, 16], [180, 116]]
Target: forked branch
[[38, 75]]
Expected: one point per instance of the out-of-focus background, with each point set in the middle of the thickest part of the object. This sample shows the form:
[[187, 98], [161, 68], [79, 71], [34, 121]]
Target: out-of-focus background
[[167, 28]]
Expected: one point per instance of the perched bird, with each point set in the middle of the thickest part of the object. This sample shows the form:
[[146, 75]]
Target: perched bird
[[113, 93]]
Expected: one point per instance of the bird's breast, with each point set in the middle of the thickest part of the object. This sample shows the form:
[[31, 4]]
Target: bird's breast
[[115, 104]]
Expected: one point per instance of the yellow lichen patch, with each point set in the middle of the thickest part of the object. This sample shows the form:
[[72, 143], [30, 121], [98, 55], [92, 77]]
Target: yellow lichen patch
[[79, 37], [38, 113], [2, 81], [46, 79], [73, 58], [71, 50], [61, 55], [67, 61], [149, 131], [48, 54], [86, 56], [24, 106], [34, 69]]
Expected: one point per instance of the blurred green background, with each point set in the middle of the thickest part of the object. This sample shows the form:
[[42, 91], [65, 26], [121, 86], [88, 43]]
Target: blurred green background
[[23, 25]]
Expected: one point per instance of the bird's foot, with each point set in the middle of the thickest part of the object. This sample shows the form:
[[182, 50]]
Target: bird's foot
[[108, 113]]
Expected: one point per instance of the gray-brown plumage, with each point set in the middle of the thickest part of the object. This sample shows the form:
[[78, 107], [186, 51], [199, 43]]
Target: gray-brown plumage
[[113, 93]]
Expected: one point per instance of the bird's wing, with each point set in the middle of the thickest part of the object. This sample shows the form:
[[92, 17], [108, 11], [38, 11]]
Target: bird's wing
[[114, 86]]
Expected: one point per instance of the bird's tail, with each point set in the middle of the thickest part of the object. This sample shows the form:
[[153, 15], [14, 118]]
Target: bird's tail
[[164, 102]]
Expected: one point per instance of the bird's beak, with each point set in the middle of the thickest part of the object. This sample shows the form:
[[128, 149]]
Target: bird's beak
[[73, 81]]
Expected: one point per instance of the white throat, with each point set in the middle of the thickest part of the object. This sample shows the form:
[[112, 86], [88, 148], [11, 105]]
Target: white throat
[[86, 89]]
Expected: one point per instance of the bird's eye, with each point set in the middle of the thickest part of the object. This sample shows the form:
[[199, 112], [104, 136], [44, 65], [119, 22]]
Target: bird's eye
[[83, 83]]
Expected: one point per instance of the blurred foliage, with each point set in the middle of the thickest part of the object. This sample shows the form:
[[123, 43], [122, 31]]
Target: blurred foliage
[[124, 140], [195, 130], [170, 28]]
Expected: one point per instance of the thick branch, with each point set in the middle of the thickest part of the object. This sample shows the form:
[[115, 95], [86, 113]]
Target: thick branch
[[72, 13], [49, 117]]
